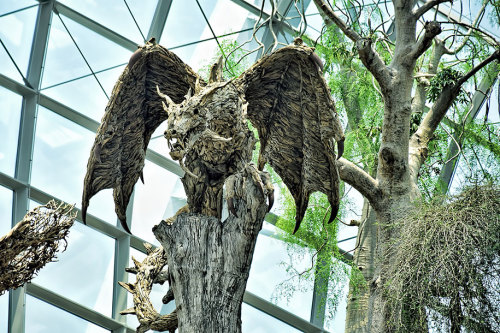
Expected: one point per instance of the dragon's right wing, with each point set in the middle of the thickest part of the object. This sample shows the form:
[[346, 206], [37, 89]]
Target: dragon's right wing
[[133, 113]]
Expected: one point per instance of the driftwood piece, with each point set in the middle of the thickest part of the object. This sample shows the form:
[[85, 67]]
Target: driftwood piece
[[290, 105], [150, 270], [209, 259], [33, 242], [133, 113]]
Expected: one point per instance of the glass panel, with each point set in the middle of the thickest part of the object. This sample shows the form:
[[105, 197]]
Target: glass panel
[[267, 272], [109, 77], [10, 108], [17, 39], [68, 79], [156, 295], [258, 4], [255, 321], [84, 272], [121, 20], [7, 6], [293, 15], [158, 143], [62, 62], [158, 198], [4, 310], [60, 159], [99, 51], [185, 23], [83, 95], [42, 317], [314, 21], [60, 156], [222, 23], [245, 36], [354, 205], [5, 210], [198, 55]]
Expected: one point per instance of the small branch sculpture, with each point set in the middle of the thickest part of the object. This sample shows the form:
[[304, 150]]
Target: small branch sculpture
[[150, 270], [33, 242]]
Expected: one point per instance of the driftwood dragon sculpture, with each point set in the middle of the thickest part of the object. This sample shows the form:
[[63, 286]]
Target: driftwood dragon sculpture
[[286, 98], [284, 95]]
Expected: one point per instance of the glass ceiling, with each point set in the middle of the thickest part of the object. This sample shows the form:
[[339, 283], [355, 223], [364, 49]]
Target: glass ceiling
[[59, 61]]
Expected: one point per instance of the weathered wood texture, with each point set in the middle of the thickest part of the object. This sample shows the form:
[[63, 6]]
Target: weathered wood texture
[[150, 270], [209, 136], [32, 243], [290, 105], [133, 113], [209, 259]]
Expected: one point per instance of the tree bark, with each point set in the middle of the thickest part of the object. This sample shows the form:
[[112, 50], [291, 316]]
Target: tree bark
[[209, 259], [357, 318]]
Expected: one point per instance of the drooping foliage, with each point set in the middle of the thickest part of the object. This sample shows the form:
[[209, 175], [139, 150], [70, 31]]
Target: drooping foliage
[[447, 263]]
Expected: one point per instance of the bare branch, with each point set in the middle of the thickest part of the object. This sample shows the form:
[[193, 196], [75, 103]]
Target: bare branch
[[373, 62], [494, 56], [432, 29], [487, 37], [370, 58], [322, 6], [417, 13], [421, 138], [476, 22], [360, 180]]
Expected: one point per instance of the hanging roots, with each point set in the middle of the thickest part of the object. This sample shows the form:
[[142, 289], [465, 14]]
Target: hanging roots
[[446, 263], [33, 242], [150, 270]]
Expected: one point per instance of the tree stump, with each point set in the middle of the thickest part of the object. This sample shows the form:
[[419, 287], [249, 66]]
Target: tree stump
[[209, 259]]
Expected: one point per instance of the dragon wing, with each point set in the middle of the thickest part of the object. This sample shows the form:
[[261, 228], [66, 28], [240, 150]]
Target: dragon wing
[[290, 105], [133, 113]]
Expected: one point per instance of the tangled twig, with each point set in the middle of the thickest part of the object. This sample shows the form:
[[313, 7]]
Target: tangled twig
[[150, 270], [33, 242]]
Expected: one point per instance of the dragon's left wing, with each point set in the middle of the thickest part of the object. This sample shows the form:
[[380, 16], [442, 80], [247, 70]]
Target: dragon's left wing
[[290, 105], [133, 113]]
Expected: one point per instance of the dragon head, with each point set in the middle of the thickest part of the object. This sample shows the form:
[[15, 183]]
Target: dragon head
[[209, 126]]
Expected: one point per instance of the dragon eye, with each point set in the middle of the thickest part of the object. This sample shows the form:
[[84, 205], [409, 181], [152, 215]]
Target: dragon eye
[[196, 111]]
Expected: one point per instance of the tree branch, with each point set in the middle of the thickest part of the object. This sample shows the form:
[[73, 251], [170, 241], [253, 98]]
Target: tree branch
[[353, 35], [432, 29], [417, 13], [494, 56], [360, 180], [420, 139], [469, 32], [370, 58]]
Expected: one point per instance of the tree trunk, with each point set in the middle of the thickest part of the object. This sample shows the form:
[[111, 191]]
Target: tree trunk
[[209, 259], [357, 318]]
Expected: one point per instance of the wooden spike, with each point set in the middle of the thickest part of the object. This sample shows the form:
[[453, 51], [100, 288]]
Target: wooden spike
[[137, 263], [127, 286], [132, 270], [128, 311], [149, 248]]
